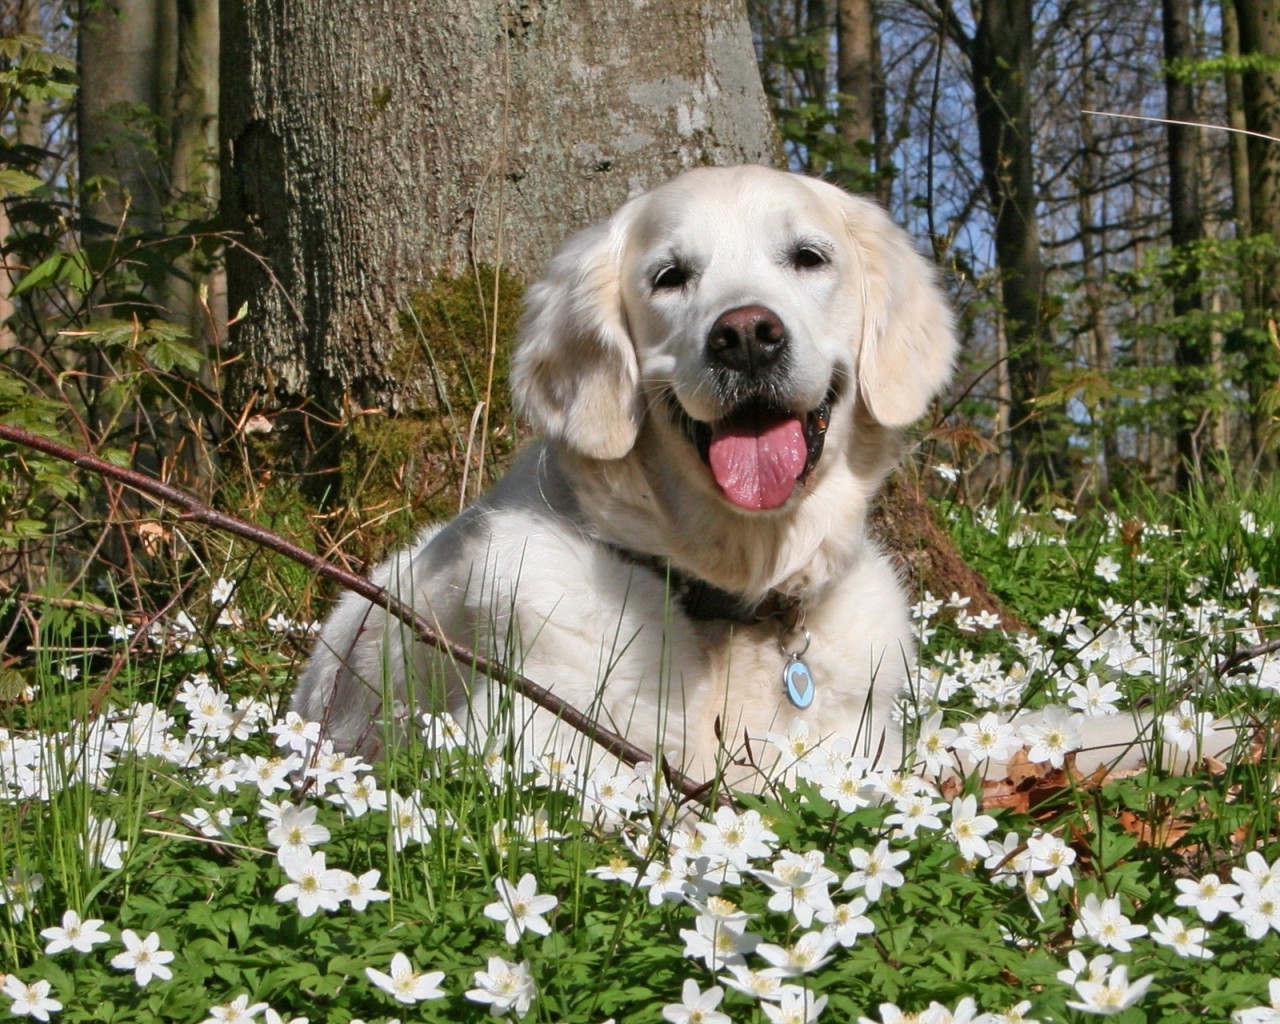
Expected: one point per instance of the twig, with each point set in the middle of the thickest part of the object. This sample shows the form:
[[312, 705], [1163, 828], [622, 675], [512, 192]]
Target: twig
[[1246, 654], [196, 511]]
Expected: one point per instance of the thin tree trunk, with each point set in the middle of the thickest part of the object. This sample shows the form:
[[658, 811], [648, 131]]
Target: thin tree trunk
[[1000, 60], [121, 85], [1186, 228], [857, 77]]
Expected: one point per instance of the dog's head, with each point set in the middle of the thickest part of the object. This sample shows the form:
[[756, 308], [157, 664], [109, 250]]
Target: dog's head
[[746, 307]]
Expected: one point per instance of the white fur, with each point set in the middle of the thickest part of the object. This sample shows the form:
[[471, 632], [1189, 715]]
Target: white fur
[[531, 573]]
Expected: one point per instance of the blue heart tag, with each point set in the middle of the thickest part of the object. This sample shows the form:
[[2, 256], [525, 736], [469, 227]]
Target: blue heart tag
[[797, 680]]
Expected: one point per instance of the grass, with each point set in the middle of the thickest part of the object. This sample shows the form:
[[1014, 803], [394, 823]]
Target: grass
[[153, 784]]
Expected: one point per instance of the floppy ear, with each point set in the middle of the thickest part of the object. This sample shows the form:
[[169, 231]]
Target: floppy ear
[[575, 374], [908, 343]]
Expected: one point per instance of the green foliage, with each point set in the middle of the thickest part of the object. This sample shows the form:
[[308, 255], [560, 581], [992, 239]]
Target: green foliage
[[953, 930]]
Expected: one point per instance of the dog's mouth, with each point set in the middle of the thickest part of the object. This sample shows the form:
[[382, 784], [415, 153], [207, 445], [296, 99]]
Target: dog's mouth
[[760, 452]]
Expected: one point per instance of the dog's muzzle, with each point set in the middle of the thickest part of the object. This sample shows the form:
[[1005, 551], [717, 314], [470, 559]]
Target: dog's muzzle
[[760, 453]]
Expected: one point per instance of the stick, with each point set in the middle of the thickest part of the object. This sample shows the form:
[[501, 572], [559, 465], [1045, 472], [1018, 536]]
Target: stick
[[194, 510]]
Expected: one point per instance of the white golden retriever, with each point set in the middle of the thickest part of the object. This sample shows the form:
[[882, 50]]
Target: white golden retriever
[[720, 372]]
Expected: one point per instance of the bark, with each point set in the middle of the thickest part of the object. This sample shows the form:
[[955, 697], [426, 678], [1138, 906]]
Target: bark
[[1259, 26], [121, 85], [1000, 57], [857, 85], [27, 130], [1186, 228], [368, 148], [192, 122]]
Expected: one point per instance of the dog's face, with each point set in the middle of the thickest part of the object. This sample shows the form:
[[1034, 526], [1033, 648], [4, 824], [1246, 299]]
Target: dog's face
[[742, 309]]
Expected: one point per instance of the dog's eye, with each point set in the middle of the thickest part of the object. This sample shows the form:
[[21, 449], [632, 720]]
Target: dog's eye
[[806, 257], [669, 278]]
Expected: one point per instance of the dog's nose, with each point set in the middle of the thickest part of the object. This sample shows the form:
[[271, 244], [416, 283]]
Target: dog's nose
[[748, 339]]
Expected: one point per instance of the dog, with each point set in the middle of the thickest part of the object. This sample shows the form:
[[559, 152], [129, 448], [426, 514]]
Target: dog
[[720, 373]]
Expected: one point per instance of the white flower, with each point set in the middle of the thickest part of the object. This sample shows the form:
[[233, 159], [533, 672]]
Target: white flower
[[504, 987], [144, 957], [100, 844], [1102, 921], [1093, 698], [1210, 896], [1107, 568], [696, 1007], [808, 953], [1185, 941], [238, 1011], [1049, 854], [294, 831], [766, 983], [75, 934], [1051, 735], [1079, 966], [875, 869], [948, 472], [916, 811], [934, 744], [361, 890], [988, 737], [1111, 994], [1259, 911], [19, 891], [796, 1007], [410, 821], [311, 884], [719, 942], [1185, 728], [846, 921], [800, 883], [521, 907], [968, 828], [295, 733], [220, 593], [738, 838], [30, 1000], [405, 983]]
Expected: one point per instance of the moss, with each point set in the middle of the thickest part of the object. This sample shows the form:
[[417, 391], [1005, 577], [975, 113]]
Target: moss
[[406, 466]]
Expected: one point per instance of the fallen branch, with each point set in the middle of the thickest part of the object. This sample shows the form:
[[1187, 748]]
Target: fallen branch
[[193, 510], [1245, 655]]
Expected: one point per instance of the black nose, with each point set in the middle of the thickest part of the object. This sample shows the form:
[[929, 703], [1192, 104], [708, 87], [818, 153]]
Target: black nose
[[748, 339]]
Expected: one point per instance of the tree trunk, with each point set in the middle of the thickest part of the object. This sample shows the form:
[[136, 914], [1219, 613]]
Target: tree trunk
[[369, 148], [1000, 57], [192, 120], [857, 86], [1259, 25], [1185, 230], [121, 85]]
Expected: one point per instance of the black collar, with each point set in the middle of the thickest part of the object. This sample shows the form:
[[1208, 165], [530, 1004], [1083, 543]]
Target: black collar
[[705, 602]]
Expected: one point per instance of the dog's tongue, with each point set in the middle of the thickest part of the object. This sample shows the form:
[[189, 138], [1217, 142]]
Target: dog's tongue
[[757, 466]]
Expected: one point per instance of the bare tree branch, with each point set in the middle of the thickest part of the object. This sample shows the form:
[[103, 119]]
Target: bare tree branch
[[193, 510]]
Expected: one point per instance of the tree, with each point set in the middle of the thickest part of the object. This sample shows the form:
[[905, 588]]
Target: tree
[[1000, 61], [1186, 228], [1259, 38], [466, 158]]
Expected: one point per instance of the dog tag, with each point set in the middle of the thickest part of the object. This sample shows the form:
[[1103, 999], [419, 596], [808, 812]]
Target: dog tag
[[797, 680]]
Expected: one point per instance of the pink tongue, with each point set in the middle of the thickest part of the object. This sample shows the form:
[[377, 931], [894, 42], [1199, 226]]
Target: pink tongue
[[758, 468]]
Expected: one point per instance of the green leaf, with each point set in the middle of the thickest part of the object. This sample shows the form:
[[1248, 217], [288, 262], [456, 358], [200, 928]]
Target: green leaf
[[40, 274], [18, 183], [167, 354]]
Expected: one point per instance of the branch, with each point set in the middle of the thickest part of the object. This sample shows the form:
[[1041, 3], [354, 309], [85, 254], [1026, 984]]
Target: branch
[[193, 510], [1245, 655]]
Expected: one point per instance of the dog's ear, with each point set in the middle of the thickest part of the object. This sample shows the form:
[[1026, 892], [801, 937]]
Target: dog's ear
[[908, 347], [575, 376]]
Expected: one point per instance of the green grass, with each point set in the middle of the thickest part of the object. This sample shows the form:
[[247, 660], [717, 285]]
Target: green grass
[[149, 736]]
